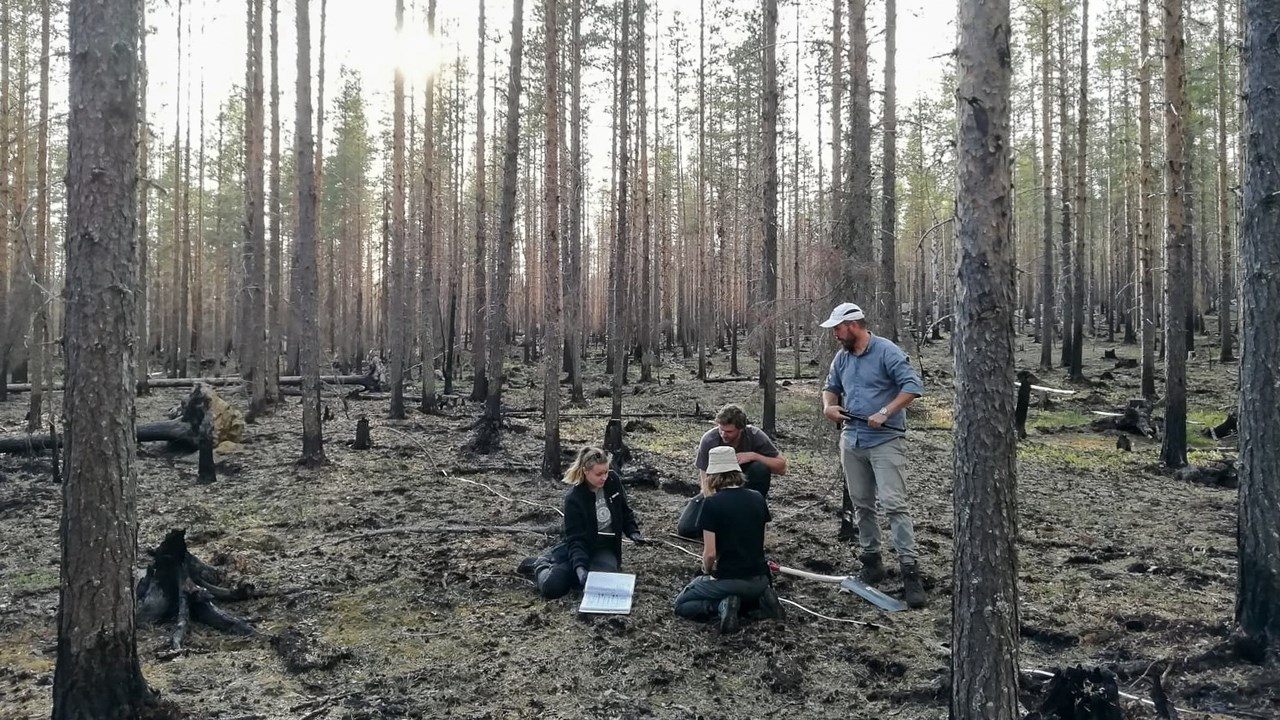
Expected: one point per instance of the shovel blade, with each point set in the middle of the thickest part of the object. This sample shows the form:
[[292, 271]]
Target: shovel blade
[[872, 595]]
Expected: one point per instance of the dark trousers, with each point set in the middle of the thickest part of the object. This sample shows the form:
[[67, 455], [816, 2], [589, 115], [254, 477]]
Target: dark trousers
[[757, 477], [700, 599], [556, 579]]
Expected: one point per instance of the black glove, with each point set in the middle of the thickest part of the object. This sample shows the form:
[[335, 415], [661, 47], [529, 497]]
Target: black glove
[[637, 538], [582, 576]]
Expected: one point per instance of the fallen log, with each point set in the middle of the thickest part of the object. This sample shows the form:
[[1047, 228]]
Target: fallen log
[[193, 428], [446, 529], [368, 381], [1215, 474], [176, 432], [603, 415]]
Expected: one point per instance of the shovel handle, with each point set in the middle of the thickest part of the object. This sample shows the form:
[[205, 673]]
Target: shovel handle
[[834, 579], [886, 426]]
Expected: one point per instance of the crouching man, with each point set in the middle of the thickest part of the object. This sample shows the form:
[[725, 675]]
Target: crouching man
[[754, 452]]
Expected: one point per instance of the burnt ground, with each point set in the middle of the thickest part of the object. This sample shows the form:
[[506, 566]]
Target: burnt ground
[[1120, 565]]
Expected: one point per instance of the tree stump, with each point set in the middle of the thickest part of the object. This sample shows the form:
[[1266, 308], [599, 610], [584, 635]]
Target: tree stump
[[1226, 428], [1136, 419], [1080, 693], [1025, 381], [178, 586], [615, 446], [362, 435]]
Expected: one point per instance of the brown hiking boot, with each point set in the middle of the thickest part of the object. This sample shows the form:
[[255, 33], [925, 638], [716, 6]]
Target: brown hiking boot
[[770, 607], [912, 590], [872, 570]]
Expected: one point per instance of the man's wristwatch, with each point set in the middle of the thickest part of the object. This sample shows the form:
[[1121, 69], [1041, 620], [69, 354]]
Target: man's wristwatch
[[884, 411]]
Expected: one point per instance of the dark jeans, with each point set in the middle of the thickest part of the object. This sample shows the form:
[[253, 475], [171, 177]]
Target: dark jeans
[[556, 579], [757, 477], [700, 599]]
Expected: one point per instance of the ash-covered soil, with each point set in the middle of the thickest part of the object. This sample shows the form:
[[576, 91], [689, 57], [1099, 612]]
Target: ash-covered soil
[[1120, 565]]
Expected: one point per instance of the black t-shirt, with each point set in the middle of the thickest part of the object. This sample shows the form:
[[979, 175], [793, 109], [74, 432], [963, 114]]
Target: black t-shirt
[[737, 516]]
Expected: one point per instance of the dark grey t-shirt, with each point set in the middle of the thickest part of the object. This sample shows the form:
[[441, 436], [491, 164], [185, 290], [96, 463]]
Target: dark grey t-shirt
[[752, 439]]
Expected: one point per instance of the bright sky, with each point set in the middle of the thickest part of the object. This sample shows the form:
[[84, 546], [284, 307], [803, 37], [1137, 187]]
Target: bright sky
[[361, 34]]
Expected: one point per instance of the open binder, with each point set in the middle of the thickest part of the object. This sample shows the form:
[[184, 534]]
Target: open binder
[[608, 593]]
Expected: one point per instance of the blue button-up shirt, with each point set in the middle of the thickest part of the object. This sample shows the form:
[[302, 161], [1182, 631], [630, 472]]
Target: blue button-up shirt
[[869, 382]]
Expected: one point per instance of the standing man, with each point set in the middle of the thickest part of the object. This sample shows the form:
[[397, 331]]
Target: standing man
[[756, 454], [870, 384]]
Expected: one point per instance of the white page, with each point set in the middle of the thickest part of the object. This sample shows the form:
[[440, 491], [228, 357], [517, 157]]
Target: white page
[[608, 593]]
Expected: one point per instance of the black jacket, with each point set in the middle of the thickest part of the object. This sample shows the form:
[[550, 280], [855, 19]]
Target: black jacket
[[580, 536]]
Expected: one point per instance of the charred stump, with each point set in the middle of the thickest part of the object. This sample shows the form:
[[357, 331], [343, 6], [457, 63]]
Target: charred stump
[[645, 476], [1080, 693], [486, 436], [179, 587], [1225, 429], [1135, 419], [620, 453], [362, 441], [1025, 381], [1215, 474]]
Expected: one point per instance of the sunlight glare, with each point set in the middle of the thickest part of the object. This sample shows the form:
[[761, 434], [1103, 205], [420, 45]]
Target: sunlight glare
[[414, 53]]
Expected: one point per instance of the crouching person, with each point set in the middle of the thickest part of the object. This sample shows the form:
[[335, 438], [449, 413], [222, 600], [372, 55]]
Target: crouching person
[[596, 516], [757, 456], [735, 575]]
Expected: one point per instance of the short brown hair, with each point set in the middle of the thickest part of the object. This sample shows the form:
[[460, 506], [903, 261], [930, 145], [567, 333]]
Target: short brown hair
[[732, 415], [715, 482]]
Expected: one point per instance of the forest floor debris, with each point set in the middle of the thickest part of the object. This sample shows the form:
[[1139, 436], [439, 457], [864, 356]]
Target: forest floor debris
[[1119, 565]]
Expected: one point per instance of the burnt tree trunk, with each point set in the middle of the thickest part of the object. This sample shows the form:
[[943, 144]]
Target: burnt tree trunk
[[769, 268], [487, 437], [97, 673], [551, 356], [398, 315], [305, 280], [480, 383], [1258, 591], [1173, 446], [984, 657]]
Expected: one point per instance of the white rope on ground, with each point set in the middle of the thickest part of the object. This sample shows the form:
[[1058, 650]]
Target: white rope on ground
[[686, 551], [445, 473], [832, 619]]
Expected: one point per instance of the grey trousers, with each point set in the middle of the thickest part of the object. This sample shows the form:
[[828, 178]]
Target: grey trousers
[[700, 599], [880, 471]]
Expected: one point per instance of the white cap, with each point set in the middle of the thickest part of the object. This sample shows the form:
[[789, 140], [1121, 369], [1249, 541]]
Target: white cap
[[844, 312], [722, 459]]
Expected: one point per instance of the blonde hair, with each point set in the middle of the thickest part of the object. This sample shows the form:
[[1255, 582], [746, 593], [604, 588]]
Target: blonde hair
[[587, 458], [714, 482]]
